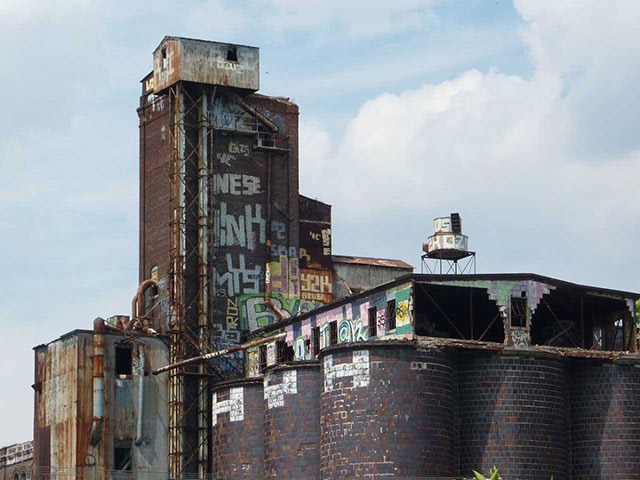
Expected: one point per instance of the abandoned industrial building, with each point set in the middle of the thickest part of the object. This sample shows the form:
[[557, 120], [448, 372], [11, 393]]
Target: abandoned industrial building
[[252, 351]]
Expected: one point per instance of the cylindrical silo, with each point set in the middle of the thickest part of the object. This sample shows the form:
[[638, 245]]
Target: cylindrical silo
[[513, 413], [605, 420], [292, 421], [386, 408], [237, 438]]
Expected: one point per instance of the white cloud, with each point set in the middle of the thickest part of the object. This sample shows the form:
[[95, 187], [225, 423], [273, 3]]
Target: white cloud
[[509, 153]]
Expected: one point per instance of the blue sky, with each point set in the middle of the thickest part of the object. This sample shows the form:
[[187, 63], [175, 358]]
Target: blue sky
[[521, 116]]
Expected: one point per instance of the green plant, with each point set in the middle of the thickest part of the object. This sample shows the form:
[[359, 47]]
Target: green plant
[[493, 475]]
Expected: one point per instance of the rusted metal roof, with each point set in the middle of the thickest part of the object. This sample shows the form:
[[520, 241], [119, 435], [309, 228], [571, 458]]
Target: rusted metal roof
[[374, 262]]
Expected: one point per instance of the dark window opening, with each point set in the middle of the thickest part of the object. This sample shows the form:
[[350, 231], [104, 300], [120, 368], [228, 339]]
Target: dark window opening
[[122, 455], [315, 340], [284, 353], [566, 317], [262, 357], [448, 311], [165, 60], [373, 327], [390, 313], [124, 360], [232, 54], [333, 333], [519, 311]]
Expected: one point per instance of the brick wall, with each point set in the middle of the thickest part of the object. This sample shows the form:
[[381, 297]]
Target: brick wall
[[386, 409], [605, 421], [513, 412], [237, 430], [292, 421]]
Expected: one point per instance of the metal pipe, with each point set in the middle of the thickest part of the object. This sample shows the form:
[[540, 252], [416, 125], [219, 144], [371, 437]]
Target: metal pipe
[[141, 368], [139, 320], [219, 353], [267, 271], [98, 382]]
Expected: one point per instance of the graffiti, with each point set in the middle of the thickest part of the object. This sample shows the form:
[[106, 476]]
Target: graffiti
[[278, 250], [283, 276], [233, 313], [271, 353], [352, 331], [230, 116], [325, 335], [254, 312], [229, 65], [520, 337], [358, 369], [239, 279], [235, 406], [246, 231], [300, 349], [403, 311], [274, 394], [236, 184], [240, 148], [280, 230], [316, 285], [225, 158], [381, 322], [252, 362]]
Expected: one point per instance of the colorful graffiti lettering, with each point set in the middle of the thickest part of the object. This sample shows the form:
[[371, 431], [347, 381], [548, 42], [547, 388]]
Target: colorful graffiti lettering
[[352, 331], [300, 350]]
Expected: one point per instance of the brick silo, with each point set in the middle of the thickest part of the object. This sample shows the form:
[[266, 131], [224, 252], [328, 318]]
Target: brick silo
[[513, 413], [387, 409], [292, 421], [605, 420], [237, 429]]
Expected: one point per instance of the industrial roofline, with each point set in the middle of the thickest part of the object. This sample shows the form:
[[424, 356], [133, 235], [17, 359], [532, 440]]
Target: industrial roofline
[[425, 278], [188, 39]]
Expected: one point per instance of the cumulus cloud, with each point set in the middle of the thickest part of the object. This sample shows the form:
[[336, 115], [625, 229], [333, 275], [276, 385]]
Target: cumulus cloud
[[523, 156]]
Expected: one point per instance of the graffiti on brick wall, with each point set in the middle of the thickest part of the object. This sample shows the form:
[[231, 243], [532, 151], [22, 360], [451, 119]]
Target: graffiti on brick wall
[[316, 285], [357, 369], [300, 348], [284, 276], [352, 331], [234, 405], [238, 277], [274, 394], [236, 184], [403, 310], [254, 312], [315, 245], [252, 362], [245, 230], [520, 337]]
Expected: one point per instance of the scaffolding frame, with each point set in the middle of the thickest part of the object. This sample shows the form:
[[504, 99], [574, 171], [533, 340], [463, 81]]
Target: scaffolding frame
[[192, 333]]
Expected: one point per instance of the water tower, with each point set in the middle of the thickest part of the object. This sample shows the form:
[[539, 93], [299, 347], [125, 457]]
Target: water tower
[[447, 250]]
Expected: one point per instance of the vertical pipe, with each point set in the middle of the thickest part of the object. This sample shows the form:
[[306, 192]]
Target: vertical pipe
[[141, 369], [203, 267], [98, 381], [267, 272]]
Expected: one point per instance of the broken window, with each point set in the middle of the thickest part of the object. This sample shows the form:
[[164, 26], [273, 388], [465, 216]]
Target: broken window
[[122, 455], [315, 340], [124, 361], [262, 357], [284, 353], [390, 313], [333, 333], [373, 327], [232, 54], [519, 311], [165, 60]]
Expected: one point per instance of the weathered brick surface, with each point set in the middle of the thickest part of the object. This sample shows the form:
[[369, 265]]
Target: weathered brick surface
[[394, 418], [605, 421], [238, 445], [514, 413], [292, 421]]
